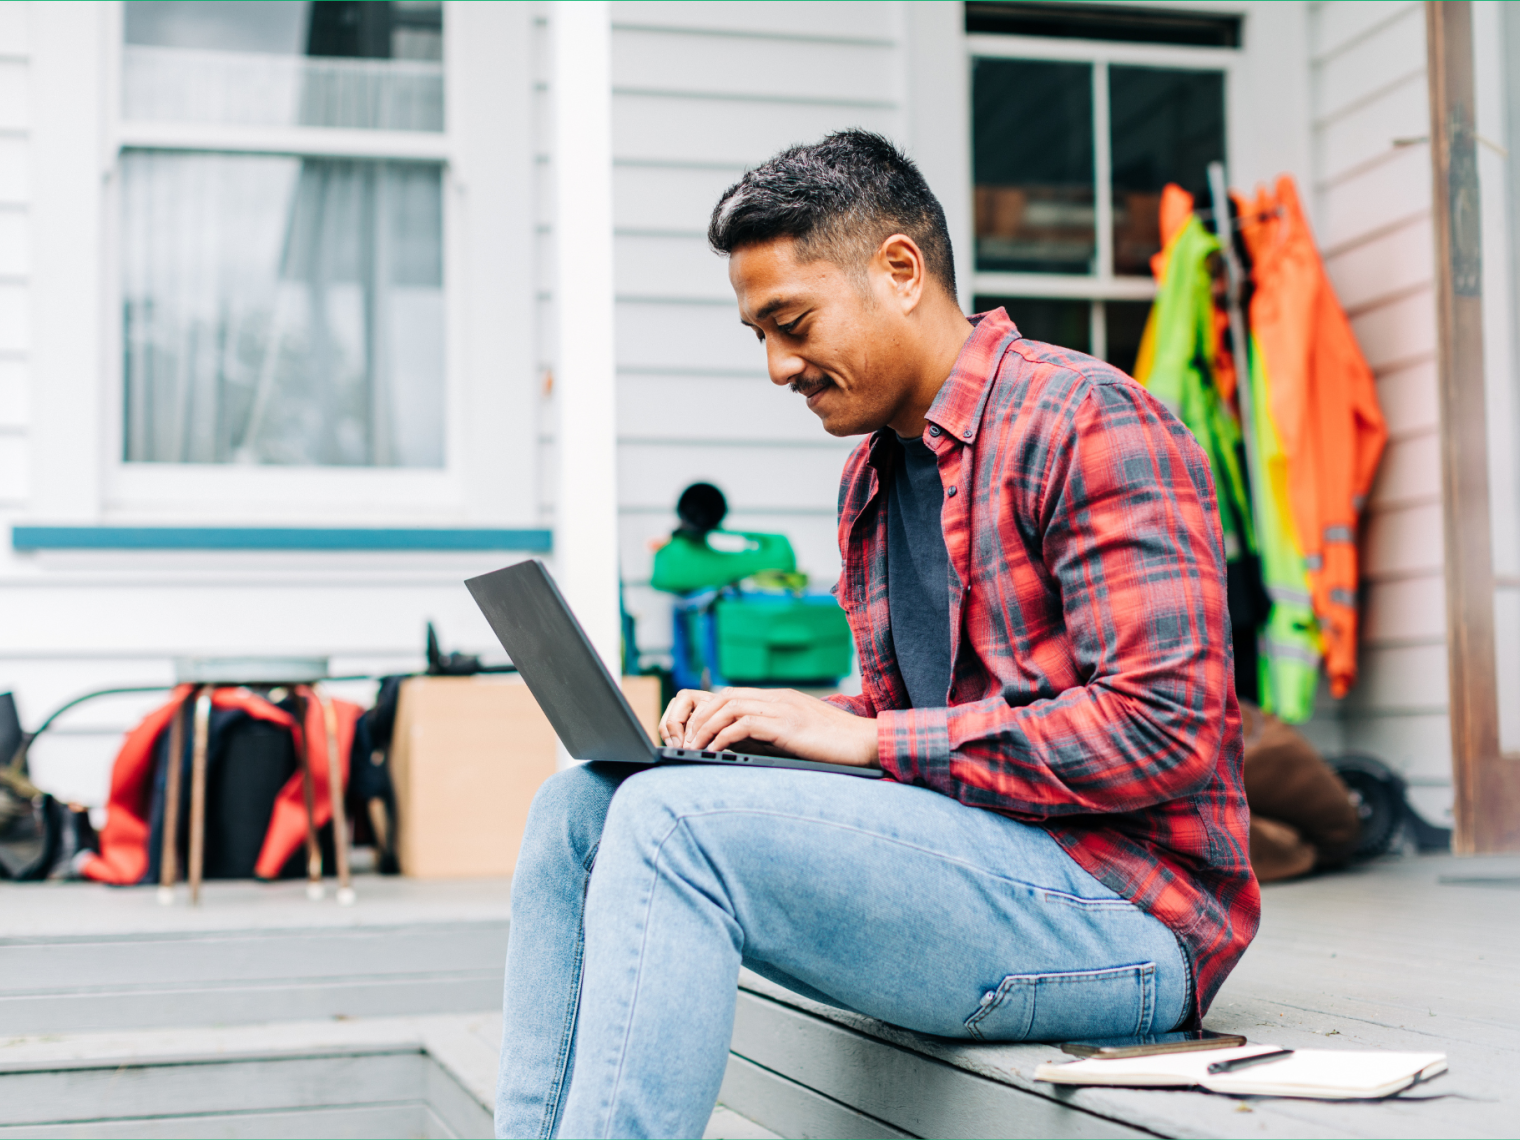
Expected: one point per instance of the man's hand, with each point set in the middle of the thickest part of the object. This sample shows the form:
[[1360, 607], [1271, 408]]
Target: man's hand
[[784, 719]]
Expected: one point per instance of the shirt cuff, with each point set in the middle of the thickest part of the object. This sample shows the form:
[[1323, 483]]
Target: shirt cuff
[[913, 745]]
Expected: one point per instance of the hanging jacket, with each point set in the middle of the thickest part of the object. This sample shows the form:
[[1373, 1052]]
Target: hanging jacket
[[1324, 408], [124, 841], [1287, 642], [1289, 646], [1178, 358]]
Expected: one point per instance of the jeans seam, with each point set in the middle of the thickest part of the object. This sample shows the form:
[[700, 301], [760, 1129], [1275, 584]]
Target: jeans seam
[[554, 1101], [1118, 902], [638, 973], [1146, 977]]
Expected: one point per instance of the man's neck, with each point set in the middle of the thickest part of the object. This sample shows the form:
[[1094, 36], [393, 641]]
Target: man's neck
[[946, 332]]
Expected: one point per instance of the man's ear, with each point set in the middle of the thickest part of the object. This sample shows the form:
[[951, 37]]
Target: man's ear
[[899, 266]]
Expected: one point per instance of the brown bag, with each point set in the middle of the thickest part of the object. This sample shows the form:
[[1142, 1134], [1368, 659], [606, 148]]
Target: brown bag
[[1302, 814]]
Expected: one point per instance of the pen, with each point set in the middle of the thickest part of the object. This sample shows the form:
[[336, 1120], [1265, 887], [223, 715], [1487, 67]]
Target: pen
[[1247, 1062]]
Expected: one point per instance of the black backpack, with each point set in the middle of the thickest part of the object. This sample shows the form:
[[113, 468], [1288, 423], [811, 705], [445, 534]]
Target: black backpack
[[39, 835]]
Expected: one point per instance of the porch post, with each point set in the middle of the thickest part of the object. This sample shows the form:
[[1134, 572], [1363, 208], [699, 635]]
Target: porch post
[[585, 508], [1487, 812]]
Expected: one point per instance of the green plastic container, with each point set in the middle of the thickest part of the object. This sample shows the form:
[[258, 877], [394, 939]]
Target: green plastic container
[[766, 639]]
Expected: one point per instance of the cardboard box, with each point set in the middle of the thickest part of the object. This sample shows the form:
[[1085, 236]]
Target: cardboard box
[[469, 753]]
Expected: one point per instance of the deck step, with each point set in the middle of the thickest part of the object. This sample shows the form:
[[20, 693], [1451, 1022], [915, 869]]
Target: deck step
[[394, 1077], [240, 977], [250, 953]]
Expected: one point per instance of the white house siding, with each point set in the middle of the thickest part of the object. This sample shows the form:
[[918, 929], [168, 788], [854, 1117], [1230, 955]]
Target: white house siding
[[1372, 207], [76, 621], [700, 93], [15, 257], [1496, 38]]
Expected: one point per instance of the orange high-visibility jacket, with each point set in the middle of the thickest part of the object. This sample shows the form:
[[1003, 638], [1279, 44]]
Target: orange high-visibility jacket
[[124, 855], [1325, 407]]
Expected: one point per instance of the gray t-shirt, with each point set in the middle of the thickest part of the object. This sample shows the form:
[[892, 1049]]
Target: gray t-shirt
[[918, 575]]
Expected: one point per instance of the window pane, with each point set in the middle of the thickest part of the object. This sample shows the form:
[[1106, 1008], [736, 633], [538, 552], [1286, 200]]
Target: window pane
[[1167, 126], [1032, 152], [282, 310], [1123, 322], [370, 66], [1066, 323]]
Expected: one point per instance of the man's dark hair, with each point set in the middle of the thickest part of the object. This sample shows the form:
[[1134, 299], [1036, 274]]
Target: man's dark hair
[[839, 199]]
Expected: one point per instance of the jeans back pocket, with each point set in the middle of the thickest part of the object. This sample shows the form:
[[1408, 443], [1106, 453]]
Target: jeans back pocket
[[1068, 1006]]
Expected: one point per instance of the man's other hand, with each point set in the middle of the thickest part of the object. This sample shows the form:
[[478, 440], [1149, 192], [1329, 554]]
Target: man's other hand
[[783, 719]]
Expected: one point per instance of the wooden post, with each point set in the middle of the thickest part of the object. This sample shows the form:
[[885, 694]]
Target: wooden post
[[1487, 785], [168, 862], [202, 739], [336, 797], [303, 754]]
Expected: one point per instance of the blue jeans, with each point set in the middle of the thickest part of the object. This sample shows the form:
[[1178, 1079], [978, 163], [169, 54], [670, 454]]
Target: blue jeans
[[893, 901]]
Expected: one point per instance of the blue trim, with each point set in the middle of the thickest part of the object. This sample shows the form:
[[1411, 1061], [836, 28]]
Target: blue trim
[[278, 538]]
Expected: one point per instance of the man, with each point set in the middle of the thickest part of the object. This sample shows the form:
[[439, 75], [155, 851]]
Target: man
[[1034, 577]]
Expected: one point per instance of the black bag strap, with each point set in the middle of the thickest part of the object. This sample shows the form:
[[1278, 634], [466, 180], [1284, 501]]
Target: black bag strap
[[13, 773]]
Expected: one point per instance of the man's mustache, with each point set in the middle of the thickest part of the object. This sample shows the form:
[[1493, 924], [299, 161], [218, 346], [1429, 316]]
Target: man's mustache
[[810, 385]]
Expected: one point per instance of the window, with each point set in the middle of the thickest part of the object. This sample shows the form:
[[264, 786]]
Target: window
[[1072, 142], [282, 233]]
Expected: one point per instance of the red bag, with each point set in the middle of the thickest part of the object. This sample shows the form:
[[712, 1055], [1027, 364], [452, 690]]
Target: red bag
[[124, 856]]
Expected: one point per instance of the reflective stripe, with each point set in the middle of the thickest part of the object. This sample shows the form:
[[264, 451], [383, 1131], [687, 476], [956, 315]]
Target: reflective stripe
[[1277, 648], [1339, 534], [1313, 562], [1344, 598], [1284, 596]]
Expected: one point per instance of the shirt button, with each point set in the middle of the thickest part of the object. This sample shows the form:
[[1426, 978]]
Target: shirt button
[[967, 434], [951, 492], [933, 430]]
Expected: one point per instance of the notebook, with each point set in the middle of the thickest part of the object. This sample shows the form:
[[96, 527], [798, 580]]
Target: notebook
[[1321, 1074]]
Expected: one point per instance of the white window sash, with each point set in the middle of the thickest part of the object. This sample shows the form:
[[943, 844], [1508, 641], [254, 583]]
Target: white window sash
[[1103, 285], [172, 491]]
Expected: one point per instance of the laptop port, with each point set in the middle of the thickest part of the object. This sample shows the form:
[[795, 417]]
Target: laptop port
[[709, 755]]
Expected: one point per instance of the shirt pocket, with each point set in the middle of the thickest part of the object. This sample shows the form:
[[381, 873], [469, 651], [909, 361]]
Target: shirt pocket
[[1068, 1006]]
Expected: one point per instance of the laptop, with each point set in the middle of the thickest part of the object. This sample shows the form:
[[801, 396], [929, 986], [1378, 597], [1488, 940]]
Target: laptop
[[583, 702]]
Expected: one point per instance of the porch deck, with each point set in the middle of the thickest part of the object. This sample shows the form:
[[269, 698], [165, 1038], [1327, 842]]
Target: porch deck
[[1411, 954], [122, 1018]]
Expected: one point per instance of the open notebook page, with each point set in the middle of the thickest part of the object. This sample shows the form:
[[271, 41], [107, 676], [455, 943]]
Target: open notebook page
[[1316, 1073]]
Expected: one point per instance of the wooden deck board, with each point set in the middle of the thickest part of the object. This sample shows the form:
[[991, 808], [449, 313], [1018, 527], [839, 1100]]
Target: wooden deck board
[[1386, 956], [81, 957]]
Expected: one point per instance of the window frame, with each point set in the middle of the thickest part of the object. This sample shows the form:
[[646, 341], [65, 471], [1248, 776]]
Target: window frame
[[252, 493], [1104, 285]]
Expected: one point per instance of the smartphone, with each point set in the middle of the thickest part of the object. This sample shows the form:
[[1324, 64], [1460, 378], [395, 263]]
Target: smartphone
[[1179, 1041]]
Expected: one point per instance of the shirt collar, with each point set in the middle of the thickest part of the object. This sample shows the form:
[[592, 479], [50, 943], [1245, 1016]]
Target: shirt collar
[[957, 410]]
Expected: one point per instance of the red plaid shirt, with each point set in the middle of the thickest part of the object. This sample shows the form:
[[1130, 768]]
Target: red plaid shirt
[[1092, 690]]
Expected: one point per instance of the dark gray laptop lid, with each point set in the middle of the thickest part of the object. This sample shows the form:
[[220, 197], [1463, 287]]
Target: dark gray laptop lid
[[583, 702]]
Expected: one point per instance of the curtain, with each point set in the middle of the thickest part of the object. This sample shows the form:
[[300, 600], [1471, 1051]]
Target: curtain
[[282, 310]]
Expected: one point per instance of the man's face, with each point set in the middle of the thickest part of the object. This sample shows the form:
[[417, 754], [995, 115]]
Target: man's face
[[828, 335]]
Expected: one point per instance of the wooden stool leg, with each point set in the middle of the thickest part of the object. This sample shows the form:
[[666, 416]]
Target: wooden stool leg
[[313, 848], [168, 862], [198, 792], [335, 792]]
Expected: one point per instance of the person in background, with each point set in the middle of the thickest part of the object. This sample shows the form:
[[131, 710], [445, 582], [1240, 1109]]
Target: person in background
[[1035, 581]]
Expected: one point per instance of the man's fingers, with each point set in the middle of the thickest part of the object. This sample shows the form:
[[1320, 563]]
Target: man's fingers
[[747, 727], [711, 718], [673, 725], [697, 723], [717, 723]]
